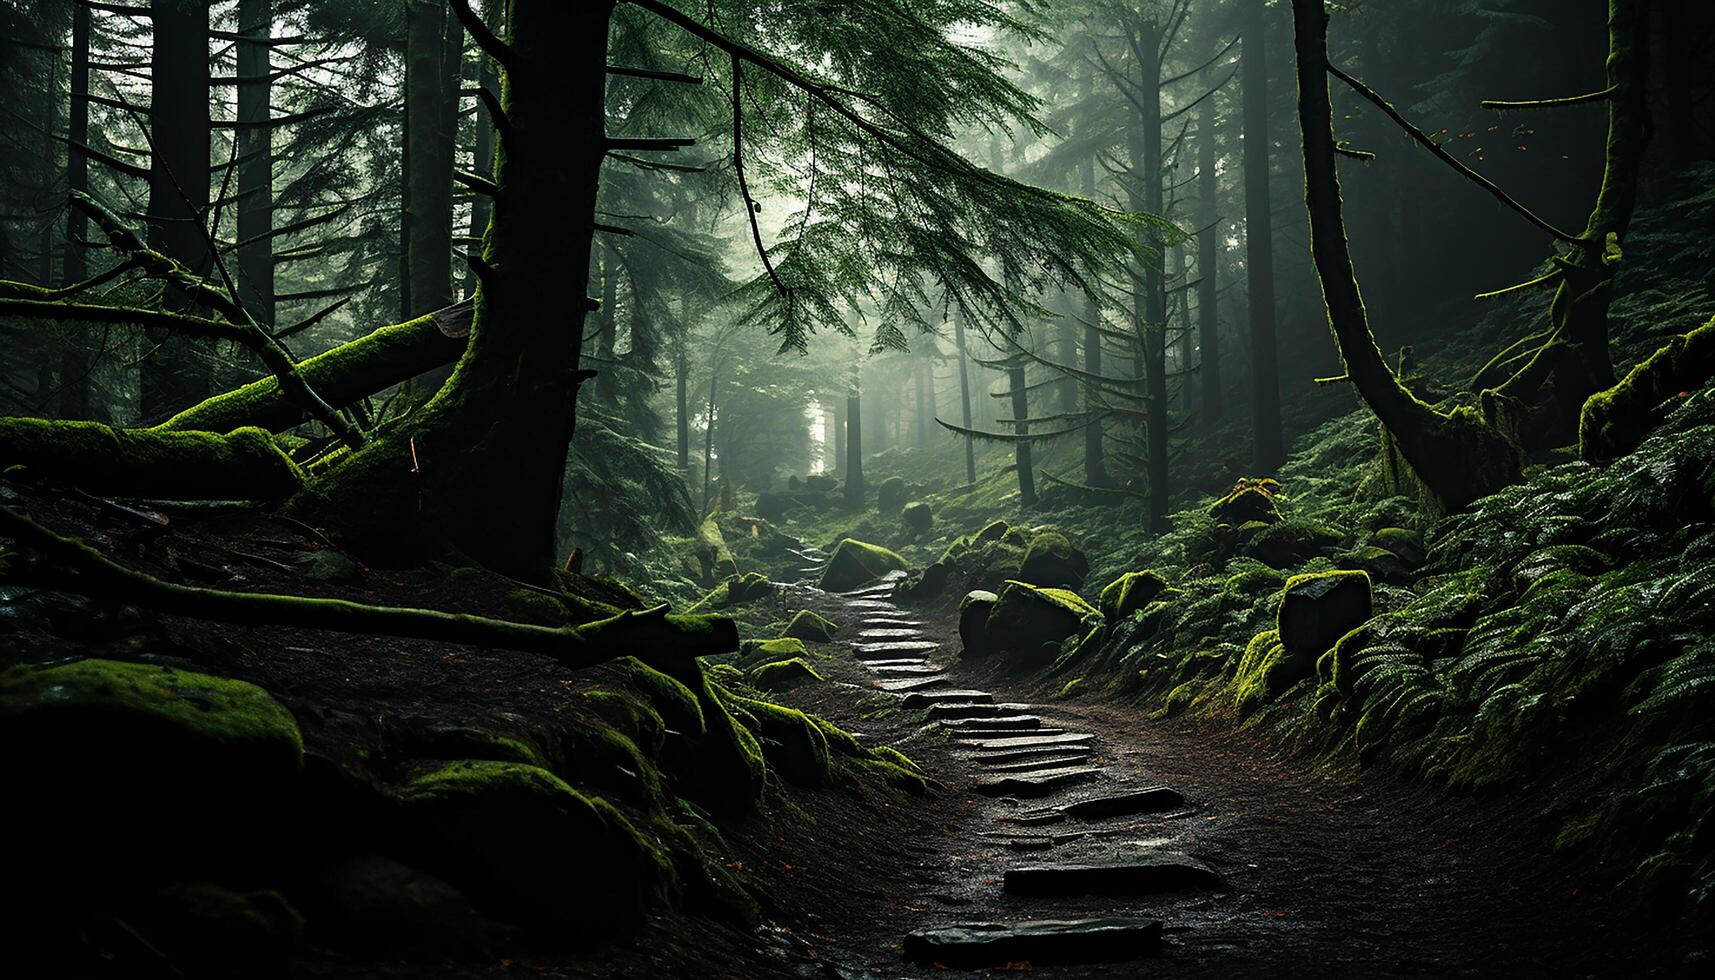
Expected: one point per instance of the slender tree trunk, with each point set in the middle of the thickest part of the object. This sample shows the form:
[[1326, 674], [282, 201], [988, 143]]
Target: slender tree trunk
[[837, 421], [854, 489], [1457, 457], [1095, 454], [709, 433], [682, 384], [479, 469], [1269, 447], [429, 215], [606, 380], [1152, 316], [964, 393], [920, 417], [1208, 261], [483, 155], [1181, 316], [177, 372], [1021, 425], [74, 354], [255, 138]]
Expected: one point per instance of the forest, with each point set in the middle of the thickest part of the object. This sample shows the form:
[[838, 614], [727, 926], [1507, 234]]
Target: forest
[[857, 488]]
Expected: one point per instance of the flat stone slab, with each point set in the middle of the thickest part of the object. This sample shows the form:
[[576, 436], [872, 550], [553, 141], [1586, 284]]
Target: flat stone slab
[[895, 646], [920, 669], [1033, 741], [941, 711], [898, 662], [969, 738], [981, 727], [919, 699], [1023, 755], [1108, 940], [1036, 818], [898, 621], [889, 634], [1152, 800], [1160, 871], [875, 604], [1036, 784], [1057, 760], [908, 684]]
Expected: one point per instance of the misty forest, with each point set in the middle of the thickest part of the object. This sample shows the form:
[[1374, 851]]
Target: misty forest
[[857, 488]]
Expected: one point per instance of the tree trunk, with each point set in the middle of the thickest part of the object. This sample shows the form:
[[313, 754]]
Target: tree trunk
[[1021, 425], [709, 435], [1268, 447], [255, 138], [964, 393], [835, 416], [1208, 261], [606, 387], [177, 372], [479, 468], [74, 354], [1151, 317], [854, 489], [429, 214], [483, 155], [1095, 454], [1457, 458], [682, 386], [920, 417]]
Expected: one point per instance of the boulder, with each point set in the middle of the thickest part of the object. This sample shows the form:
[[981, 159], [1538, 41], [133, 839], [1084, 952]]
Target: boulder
[[808, 626], [927, 585], [1052, 562], [1283, 544], [794, 745], [1029, 623], [821, 483], [974, 610], [1130, 593], [782, 675], [793, 483], [1381, 564], [158, 749], [891, 495], [1249, 500], [772, 506], [754, 653], [992, 531], [855, 564], [1318, 608], [736, 590], [918, 518], [1403, 542]]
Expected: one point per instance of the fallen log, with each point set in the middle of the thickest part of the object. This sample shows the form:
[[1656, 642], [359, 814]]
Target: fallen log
[[244, 464], [69, 565], [389, 356]]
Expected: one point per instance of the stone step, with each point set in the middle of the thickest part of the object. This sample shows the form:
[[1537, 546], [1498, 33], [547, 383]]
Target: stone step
[[865, 650], [922, 699], [1160, 871], [1035, 818], [872, 605], [976, 944], [890, 633], [921, 669], [969, 737], [967, 727], [941, 711], [895, 621], [909, 684], [1036, 784], [1020, 755], [897, 662], [1034, 741], [1152, 800], [1056, 760]]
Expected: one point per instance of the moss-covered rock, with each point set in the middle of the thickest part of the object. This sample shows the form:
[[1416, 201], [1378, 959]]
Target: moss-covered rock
[[1130, 593], [528, 848], [1265, 670], [1052, 562], [809, 627], [676, 703], [161, 749], [714, 558], [1403, 542], [1381, 564], [633, 718], [917, 517], [1248, 500], [735, 590], [891, 495], [992, 531], [722, 769], [855, 564], [781, 675], [927, 585], [1318, 608], [1028, 624], [793, 744], [974, 611], [755, 653], [1284, 544], [1615, 421]]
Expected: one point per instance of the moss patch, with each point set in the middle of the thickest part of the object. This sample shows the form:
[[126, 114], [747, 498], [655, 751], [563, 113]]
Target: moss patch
[[855, 564]]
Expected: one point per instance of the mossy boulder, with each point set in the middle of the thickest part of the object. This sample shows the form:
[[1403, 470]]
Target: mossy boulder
[[772, 506], [1130, 593], [158, 748], [927, 585], [670, 698], [528, 848], [1284, 544], [714, 558], [855, 564], [781, 675], [1381, 564], [1265, 670], [1248, 500], [793, 744], [1052, 562], [917, 517], [758, 652], [723, 769], [808, 626], [1403, 542], [974, 610], [891, 495], [992, 531], [1028, 623], [821, 483], [1318, 608]]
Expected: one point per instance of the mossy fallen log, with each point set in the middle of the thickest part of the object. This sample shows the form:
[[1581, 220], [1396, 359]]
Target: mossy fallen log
[[72, 566], [389, 356], [244, 464], [1615, 421]]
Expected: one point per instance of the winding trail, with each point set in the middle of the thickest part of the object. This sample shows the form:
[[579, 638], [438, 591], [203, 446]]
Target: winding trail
[[1084, 840]]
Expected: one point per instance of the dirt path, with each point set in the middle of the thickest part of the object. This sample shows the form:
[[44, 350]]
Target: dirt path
[[1179, 848]]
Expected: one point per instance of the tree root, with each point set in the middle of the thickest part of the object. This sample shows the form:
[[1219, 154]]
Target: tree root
[[72, 566], [242, 465]]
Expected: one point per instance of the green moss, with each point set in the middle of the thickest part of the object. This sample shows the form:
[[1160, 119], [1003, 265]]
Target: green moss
[[1130, 593], [1615, 421], [1030, 624], [634, 718], [1070, 689], [808, 626], [735, 590], [1052, 561], [679, 707], [855, 564], [242, 465], [712, 554], [781, 675], [513, 836], [1248, 500], [793, 744], [1265, 670], [992, 531]]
